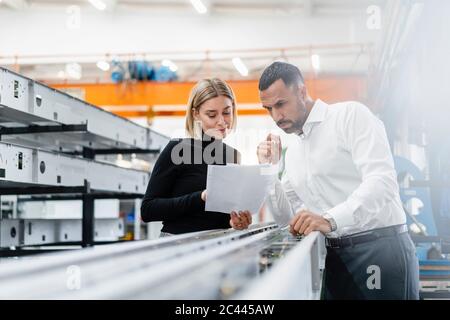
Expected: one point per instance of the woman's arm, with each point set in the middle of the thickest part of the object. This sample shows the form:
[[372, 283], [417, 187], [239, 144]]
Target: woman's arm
[[158, 205]]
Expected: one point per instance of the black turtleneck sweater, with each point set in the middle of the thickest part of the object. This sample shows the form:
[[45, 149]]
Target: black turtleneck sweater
[[173, 194]]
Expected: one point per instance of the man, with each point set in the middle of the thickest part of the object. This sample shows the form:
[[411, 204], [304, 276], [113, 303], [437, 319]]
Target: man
[[340, 180]]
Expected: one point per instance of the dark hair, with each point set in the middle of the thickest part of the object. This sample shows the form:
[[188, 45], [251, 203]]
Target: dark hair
[[289, 73]]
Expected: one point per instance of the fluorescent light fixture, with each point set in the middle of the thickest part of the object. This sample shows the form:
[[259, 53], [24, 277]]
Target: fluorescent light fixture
[[73, 20], [103, 65], [98, 4], [315, 62], [169, 63], [240, 66], [199, 6], [74, 70]]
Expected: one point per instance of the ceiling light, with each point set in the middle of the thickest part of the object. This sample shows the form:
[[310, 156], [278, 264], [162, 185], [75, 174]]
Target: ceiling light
[[199, 6], [74, 70], [170, 64], [315, 62], [240, 66], [98, 4], [61, 74], [103, 65]]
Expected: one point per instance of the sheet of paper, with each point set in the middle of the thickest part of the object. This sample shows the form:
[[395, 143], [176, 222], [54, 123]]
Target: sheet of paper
[[237, 187]]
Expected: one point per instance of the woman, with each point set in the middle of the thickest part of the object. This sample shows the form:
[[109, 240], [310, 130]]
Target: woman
[[176, 192]]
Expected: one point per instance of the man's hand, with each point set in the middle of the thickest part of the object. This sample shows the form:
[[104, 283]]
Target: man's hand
[[240, 221], [269, 151], [304, 222]]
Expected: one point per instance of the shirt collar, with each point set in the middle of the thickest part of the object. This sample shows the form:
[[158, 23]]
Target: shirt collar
[[317, 115]]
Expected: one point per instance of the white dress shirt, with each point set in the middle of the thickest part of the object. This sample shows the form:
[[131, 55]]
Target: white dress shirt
[[341, 165]]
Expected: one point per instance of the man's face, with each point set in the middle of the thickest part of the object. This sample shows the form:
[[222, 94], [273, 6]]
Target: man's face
[[286, 105]]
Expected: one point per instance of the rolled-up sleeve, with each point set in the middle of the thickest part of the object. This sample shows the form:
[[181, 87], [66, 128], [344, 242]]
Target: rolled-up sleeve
[[283, 202]]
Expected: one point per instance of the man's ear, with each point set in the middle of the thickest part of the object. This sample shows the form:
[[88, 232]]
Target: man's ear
[[301, 92]]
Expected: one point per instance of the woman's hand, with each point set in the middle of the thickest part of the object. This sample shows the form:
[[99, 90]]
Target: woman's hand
[[240, 221], [204, 195]]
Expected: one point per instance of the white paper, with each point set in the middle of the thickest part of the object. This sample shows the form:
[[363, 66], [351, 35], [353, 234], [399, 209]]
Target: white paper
[[238, 188]]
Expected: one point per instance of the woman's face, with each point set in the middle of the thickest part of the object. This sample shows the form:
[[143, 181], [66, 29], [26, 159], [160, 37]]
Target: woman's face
[[216, 116]]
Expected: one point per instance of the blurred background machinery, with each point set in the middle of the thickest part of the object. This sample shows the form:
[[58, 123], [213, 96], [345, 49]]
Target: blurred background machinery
[[409, 90]]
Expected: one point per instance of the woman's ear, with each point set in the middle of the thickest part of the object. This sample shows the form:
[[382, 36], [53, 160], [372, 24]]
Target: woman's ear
[[195, 114]]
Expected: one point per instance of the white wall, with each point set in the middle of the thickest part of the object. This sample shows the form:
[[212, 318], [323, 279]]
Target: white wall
[[41, 32]]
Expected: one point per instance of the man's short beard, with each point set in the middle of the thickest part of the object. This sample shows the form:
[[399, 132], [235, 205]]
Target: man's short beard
[[295, 127]]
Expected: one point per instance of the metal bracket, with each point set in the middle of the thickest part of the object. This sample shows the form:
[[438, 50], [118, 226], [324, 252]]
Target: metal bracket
[[43, 129]]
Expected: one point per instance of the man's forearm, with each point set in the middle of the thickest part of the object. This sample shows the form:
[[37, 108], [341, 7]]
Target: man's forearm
[[279, 204]]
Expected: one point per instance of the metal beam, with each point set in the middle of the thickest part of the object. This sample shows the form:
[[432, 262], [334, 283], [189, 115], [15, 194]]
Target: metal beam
[[43, 129], [28, 102], [37, 170], [20, 233], [112, 151]]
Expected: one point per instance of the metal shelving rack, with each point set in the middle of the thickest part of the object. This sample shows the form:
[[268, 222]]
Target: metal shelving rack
[[48, 144]]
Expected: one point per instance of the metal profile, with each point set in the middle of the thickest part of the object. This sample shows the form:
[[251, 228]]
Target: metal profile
[[204, 265], [28, 167], [25, 102], [32, 232]]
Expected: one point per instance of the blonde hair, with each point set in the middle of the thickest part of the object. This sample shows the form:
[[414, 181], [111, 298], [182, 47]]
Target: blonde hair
[[203, 91]]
